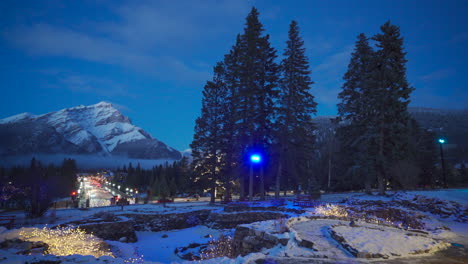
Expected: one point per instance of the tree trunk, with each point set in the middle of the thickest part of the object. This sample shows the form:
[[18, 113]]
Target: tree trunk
[[251, 183], [329, 171], [367, 185], [381, 184], [227, 194], [380, 169], [213, 192], [242, 186], [278, 177], [262, 184]]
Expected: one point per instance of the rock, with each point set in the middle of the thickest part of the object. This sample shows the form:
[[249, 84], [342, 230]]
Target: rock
[[248, 240], [306, 243], [112, 230], [242, 207], [188, 256], [164, 236], [364, 255], [193, 245], [21, 247], [225, 221], [164, 222]]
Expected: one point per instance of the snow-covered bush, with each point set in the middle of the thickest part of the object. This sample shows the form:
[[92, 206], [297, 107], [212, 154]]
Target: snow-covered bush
[[331, 210], [66, 241], [221, 247]]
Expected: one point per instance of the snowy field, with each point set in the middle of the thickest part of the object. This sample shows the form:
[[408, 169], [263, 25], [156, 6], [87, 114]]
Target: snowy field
[[384, 228]]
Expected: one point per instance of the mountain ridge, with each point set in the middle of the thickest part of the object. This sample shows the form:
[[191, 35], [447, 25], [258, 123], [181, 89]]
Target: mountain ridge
[[98, 129]]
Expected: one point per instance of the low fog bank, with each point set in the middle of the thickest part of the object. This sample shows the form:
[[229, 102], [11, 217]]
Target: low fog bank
[[82, 161]]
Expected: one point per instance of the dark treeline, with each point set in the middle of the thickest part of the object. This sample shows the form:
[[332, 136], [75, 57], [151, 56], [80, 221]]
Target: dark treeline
[[378, 139], [256, 104], [163, 181], [34, 187]]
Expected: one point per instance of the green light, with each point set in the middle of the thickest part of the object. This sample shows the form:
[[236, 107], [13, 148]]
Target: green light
[[441, 140]]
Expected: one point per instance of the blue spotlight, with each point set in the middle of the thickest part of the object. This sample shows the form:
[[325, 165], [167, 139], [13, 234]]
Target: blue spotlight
[[255, 158]]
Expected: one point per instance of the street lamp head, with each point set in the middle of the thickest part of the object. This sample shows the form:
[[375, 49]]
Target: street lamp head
[[255, 158], [441, 140]]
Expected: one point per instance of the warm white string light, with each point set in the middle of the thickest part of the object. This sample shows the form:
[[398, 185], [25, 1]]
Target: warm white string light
[[64, 241]]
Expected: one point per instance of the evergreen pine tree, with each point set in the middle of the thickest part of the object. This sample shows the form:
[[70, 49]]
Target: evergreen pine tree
[[230, 132], [355, 110], [258, 88], [208, 142], [390, 99], [296, 106]]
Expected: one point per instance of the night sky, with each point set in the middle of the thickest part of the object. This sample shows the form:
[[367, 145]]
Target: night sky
[[152, 58]]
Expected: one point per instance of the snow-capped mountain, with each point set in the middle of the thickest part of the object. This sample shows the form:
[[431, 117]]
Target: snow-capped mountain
[[95, 129]]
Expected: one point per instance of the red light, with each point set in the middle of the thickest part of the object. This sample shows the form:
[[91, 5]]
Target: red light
[[73, 193]]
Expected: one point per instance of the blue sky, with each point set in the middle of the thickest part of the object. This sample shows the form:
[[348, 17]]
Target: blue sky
[[152, 58]]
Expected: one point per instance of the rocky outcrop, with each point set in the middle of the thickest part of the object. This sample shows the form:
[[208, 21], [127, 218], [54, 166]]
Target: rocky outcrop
[[242, 207], [248, 240], [163, 222], [117, 231], [437, 206], [22, 247], [231, 220], [106, 226]]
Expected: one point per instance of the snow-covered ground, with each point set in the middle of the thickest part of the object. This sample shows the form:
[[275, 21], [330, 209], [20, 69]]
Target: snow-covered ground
[[316, 225], [155, 246], [456, 195]]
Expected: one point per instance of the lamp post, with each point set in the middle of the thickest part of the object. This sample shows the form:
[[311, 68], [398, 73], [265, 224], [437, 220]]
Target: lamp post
[[441, 142], [254, 158]]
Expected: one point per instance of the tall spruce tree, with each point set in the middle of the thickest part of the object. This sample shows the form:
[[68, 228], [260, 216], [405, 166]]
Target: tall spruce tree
[[296, 106], [355, 111], [258, 88], [390, 100], [208, 142], [230, 132]]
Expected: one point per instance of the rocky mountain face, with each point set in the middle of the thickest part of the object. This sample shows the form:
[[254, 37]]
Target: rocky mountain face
[[451, 124], [441, 121], [84, 130]]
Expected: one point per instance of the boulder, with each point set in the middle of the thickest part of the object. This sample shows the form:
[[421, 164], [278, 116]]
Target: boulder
[[248, 240], [112, 230], [225, 221], [164, 222]]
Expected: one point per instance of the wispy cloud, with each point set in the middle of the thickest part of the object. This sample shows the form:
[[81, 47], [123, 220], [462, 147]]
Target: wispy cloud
[[152, 24], [459, 38], [147, 36], [122, 108], [455, 98], [327, 95], [335, 63], [79, 83], [438, 75], [327, 77]]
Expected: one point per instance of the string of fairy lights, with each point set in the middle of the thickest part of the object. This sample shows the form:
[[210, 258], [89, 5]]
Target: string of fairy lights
[[64, 241], [338, 211]]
